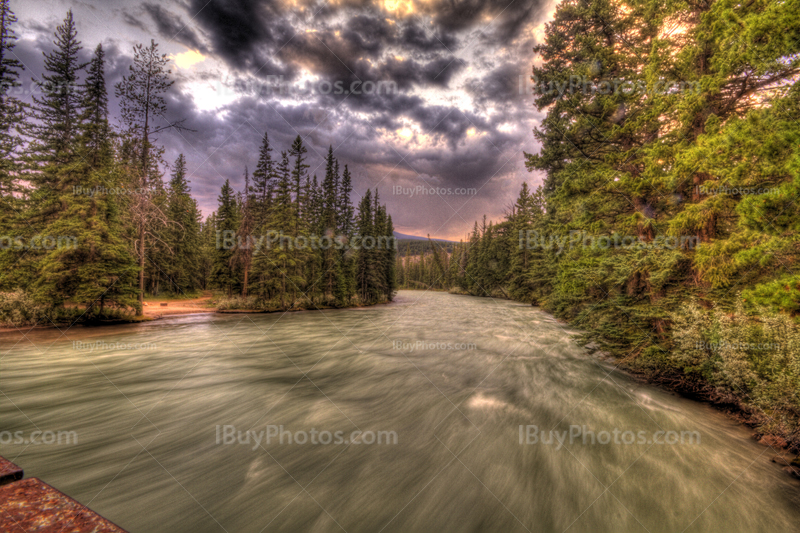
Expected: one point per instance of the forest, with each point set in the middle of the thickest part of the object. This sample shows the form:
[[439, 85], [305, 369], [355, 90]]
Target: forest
[[89, 226], [667, 225]]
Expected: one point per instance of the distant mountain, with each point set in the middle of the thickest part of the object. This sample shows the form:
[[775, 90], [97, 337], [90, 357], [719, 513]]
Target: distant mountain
[[404, 237]]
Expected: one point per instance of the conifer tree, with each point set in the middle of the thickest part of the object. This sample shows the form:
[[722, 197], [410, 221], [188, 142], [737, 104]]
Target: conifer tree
[[298, 152], [11, 122], [223, 274], [55, 127], [346, 205], [273, 264], [263, 183], [11, 117], [329, 224], [243, 254], [57, 111], [367, 280], [183, 233], [142, 106], [390, 253], [90, 262]]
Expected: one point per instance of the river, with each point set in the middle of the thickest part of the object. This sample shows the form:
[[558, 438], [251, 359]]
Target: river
[[462, 393]]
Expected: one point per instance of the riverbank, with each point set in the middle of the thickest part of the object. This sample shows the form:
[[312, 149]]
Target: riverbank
[[153, 309], [157, 308]]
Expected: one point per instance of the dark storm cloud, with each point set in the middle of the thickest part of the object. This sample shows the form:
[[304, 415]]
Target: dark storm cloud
[[172, 28], [499, 85], [414, 35], [263, 37], [136, 22], [242, 32], [509, 16]]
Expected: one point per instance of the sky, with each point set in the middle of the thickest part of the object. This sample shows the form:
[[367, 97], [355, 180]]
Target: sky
[[429, 101]]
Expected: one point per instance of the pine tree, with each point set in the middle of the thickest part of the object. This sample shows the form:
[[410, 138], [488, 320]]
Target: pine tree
[[223, 274], [183, 233], [521, 222], [11, 121], [390, 253], [11, 118], [369, 269], [273, 264], [329, 224], [56, 122], [263, 179], [243, 254], [95, 129], [298, 151], [142, 105], [93, 265], [345, 203], [58, 110]]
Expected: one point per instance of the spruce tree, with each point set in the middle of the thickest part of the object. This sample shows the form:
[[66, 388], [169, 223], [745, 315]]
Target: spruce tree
[[243, 254], [273, 264], [142, 106], [390, 253], [55, 127], [367, 276], [11, 121], [11, 117], [298, 152], [263, 183], [329, 224], [223, 274], [346, 204], [183, 232], [90, 263]]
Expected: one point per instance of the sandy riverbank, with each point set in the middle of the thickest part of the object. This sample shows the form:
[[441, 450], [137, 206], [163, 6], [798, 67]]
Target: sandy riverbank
[[152, 309]]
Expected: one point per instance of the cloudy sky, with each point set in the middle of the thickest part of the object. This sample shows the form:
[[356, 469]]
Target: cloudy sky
[[410, 93]]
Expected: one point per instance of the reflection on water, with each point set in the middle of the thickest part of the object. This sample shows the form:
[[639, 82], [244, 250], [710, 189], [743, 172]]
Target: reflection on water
[[452, 377]]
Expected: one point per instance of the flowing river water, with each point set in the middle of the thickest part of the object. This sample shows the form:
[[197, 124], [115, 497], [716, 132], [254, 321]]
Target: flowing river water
[[161, 413]]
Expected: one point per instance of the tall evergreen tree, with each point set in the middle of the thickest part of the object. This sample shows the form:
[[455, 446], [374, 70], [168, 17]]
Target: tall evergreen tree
[[298, 152], [183, 232], [57, 111], [263, 183], [90, 263], [56, 122], [243, 254], [346, 204], [142, 106], [274, 264], [223, 274], [11, 122], [368, 278], [11, 116]]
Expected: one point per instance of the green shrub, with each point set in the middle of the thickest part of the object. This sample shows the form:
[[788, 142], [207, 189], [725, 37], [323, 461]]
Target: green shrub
[[19, 309], [757, 358]]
